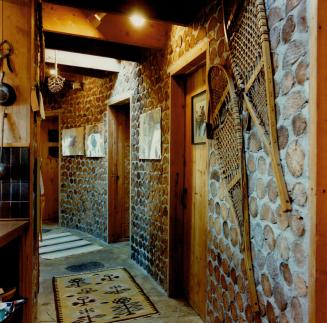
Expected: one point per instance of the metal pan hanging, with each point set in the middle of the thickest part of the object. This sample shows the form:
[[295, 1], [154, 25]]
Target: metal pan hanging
[[7, 92]]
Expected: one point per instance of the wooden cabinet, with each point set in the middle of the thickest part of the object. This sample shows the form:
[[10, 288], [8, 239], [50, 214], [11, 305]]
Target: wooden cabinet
[[13, 265]]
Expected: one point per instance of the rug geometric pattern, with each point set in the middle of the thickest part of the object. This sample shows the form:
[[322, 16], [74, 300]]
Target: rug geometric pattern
[[110, 295]]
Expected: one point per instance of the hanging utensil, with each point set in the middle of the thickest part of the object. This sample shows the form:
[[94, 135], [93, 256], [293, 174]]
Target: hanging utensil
[[7, 92], [6, 50], [56, 82], [3, 166]]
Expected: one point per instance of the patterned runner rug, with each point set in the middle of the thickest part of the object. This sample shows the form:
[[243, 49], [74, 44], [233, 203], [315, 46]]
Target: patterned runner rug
[[110, 295]]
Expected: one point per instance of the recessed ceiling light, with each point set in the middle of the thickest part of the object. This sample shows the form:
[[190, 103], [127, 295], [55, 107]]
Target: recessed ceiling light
[[137, 19]]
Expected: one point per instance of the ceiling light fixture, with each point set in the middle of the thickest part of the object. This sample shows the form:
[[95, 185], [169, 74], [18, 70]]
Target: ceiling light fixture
[[53, 72], [137, 19]]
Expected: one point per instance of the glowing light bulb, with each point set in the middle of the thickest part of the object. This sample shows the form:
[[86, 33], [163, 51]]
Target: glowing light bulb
[[137, 19], [53, 72]]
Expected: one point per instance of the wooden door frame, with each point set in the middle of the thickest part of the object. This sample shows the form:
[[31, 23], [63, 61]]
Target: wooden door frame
[[113, 103], [53, 114], [178, 71]]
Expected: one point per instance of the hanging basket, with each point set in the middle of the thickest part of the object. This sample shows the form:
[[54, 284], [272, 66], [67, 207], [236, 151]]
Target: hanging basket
[[56, 83]]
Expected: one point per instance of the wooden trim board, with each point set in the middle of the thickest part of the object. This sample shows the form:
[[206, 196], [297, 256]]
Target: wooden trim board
[[114, 102], [196, 57], [192, 59], [120, 99]]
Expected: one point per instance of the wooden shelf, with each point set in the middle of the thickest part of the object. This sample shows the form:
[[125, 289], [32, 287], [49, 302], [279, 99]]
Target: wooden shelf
[[11, 229]]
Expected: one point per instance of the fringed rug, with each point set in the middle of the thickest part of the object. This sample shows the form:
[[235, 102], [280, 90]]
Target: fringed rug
[[110, 295]]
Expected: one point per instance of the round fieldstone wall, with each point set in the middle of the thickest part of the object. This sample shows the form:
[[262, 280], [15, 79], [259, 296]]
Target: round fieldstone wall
[[84, 181], [280, 241]]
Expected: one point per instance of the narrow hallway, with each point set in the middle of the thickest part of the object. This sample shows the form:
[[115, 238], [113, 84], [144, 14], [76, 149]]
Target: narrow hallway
[[110, 256]]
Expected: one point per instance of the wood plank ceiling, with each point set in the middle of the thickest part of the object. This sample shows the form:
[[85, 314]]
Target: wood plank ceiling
[[103, 28]]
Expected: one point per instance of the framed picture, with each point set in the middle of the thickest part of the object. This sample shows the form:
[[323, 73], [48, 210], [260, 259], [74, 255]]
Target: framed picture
[[150, 135], [199, 118], [73, 142], [94, 140]]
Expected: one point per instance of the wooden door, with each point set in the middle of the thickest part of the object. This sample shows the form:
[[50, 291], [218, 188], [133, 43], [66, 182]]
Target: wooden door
[[196, 200], [119, 173], [49, 167]]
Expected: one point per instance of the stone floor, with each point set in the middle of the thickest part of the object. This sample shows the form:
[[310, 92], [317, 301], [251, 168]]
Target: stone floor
[[113, 255]]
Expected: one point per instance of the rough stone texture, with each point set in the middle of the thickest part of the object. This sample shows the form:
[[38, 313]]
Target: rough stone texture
[[291, 4], [274, 37], [262, 166], [288, 29], [253, 207], [270, 313], [301, 21], [295, 49], [282, 137], [84, 181], [275, 15], [295, 159], [299, 124], [297, 225], [294, 103], [266, 286], [269, 237], [287, 82], [299, 194], [254, 142], [287, 275], [297, 314], [298, 253], [279, 296], [301, 72], [149, 84], [266, 212], [261, 188], [300, 285], [272, 190], [283, 247]]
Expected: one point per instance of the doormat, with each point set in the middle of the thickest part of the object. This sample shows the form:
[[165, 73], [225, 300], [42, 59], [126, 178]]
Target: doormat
[[110, 295], [64, 244]]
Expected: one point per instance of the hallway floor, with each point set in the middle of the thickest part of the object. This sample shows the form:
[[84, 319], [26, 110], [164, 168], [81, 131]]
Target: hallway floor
[[111, 256]]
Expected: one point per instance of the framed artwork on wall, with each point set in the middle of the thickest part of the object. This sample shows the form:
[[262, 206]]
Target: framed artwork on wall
[[73, 142], [199, 118], [150, 135], [94, 140]]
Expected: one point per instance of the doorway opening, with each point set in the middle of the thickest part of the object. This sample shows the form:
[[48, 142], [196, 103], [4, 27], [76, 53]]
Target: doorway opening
[[188, 185], [49, 153], [119, 172]]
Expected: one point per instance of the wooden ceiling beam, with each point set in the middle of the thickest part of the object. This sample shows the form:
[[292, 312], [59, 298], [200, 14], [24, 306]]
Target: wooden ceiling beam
[[181, 12], [91, 46], [112, 27], [82, 60]]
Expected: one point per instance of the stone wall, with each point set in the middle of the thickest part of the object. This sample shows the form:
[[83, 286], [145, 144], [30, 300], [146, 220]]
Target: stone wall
[[279, 241], [84, 181]]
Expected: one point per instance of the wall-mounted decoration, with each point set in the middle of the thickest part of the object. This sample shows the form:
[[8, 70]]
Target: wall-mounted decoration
[[73, 142], [253, 73], [199, 118], [53, 135], [150, 135], [94, 140]]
